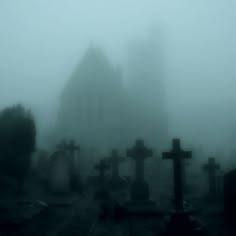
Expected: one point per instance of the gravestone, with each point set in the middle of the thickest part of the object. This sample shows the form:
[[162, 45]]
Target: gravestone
[[177, 154], [139, 188], [230, 197], [59, 180], [71, 148], [62, 145], [212, 168], [181, 222], [140, 201], [76, 182], [102, 191], [116, 182]]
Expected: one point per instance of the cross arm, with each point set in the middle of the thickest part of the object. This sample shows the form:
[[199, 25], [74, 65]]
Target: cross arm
[[187, 154], [167, 155]]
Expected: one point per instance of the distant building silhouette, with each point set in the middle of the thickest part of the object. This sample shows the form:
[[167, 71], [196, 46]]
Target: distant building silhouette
[[98, 111], [146, 86], [92, 103]]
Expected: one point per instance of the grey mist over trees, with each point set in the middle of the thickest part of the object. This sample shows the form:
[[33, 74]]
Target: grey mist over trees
[[44, 42]]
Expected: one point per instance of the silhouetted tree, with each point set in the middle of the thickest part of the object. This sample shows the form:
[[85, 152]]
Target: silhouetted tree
[[17, 142]]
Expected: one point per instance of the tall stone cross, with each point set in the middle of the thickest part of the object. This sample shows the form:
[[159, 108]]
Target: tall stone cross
[[139, 153], [177, 154], [115, 160], [72, 148], [102, 167], [212, 168], [62, 145]]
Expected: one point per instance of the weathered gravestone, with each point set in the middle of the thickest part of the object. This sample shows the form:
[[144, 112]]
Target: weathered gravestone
[[230, 196], [76, 182], [102, 192], [139, 188], [212, 168], [70, 149], [177, 154], [180, 223], [59, 181], [116, 182]]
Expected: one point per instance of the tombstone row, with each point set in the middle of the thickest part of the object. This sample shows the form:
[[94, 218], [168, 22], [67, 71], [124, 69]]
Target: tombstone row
[[64, 171]]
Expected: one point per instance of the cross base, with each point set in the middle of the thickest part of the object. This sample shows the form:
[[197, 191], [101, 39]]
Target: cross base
[[101, 194], [118, 183], [139, 191], [182, 223], [141, 207]]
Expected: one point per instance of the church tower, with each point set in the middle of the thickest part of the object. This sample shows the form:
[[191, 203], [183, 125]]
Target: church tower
[[147, 89]]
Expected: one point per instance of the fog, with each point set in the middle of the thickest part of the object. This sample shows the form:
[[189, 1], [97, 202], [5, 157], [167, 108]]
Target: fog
[[43, 41]]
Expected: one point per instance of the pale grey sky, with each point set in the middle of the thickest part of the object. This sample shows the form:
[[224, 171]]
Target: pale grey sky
[[41, 41]]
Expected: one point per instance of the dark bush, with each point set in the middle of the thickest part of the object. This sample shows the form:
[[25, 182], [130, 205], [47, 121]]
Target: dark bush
[[17, 142]]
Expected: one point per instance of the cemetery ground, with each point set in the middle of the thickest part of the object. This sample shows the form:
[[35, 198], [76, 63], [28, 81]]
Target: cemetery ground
[[77, 214], [152, 203], [49, 216]]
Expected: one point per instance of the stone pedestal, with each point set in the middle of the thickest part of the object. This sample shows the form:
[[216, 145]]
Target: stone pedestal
[[118, 183], [139, 191], [140, 202], [182, 223], [101, 194], [141, 207]]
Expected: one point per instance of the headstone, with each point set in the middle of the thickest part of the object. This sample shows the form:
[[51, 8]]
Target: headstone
[[230, 196], [116, 182], [102, 192], [177, 155], [140, 201], [140, 189], [212, 168], [62, 145], [59, 173], [180, 222], [70, 148]]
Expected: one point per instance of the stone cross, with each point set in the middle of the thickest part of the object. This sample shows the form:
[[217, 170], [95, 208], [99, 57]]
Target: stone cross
[[177, 154], [102, 192], [212, 168], [62, 145], [72, 147], [115, 160], [102, 167], [139, 153]]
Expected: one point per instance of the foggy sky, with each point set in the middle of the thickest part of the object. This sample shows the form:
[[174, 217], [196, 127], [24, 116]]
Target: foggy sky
[[42, 41]]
